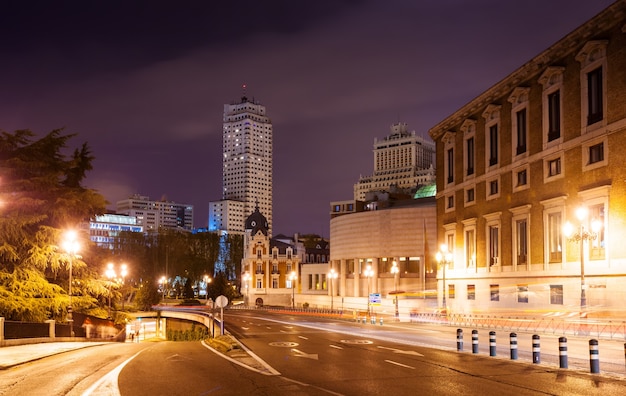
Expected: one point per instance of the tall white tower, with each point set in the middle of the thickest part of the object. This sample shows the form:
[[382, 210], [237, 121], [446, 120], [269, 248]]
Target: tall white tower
[[246, 166]]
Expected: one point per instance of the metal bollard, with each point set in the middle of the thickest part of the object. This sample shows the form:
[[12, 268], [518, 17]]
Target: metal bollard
[[474, 341], [594, 358], [536, 349], [562, 352], [373, 321], [381, 321], [459, 340], [492, 343], [513, 346]]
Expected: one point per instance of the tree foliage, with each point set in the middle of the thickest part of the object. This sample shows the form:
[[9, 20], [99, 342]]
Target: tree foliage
[[40, 196]]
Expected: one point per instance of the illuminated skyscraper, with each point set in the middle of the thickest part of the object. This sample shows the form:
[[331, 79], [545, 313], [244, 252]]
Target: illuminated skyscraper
[[246, 167]]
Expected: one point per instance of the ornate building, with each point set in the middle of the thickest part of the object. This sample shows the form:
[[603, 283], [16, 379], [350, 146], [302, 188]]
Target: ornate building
[[518, 160], [270, 268]]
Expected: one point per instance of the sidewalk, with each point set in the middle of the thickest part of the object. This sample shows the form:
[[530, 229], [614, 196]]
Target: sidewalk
[[14, 355]]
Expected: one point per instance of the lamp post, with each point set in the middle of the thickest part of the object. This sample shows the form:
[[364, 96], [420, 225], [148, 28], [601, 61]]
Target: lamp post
[[71, 246], [444, 257], [396, 273], [207, 280], [123, 273], [292, 277], [110, 273], [369, 272], [246, 279], [162, 283], [580, 236], [332, 275]]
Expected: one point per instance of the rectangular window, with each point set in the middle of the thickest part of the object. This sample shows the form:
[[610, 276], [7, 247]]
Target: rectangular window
[[275, 283], [597, 244], [521, 131], [522, 178], [494, 253], [471, 292], [258, 253], [259, 283], [494, 292], [493, 145], [451, 201], [470, 156], [556, 294], [470, 248], [554, 167], [594, 96], [554, 237], [470, 195], [522, 293], [274, 268], [596, 153], [451, 293], [554, 116], [310, 282], [450, 165], [522, 241], [493, 187]]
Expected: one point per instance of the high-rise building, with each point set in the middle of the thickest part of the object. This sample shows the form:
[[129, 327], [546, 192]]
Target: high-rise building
[[246, 167], [153, 215], [402, 159]]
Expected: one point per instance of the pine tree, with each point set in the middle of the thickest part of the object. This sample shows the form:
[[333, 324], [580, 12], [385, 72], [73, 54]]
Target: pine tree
[[40, 196]]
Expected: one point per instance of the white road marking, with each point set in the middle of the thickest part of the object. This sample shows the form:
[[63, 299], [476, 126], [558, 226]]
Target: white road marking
[[335, 346], [107, 385], [305, 355], [399, 364], [400, 351], [303, 337]]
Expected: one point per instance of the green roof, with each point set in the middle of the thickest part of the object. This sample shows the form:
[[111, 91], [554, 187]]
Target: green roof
[[429, 190]]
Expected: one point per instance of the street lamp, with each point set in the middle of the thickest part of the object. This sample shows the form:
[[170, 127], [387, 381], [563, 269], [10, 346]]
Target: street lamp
[[332, 275], [123, 273], [396, 273], [246, 279], [71, 246], [292, 277], [110, 273], [444, 257], [162, 283], [207, 280], [369, 272], [580, 236]]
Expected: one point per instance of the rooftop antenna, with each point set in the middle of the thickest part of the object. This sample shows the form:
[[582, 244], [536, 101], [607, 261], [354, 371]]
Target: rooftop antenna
[[243, 93]]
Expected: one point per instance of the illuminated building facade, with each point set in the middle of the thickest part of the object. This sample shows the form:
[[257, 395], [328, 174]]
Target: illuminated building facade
[[514, 164], [402, 159], [246, 166]]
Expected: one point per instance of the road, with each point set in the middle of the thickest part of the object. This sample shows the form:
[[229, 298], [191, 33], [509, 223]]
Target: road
[[307, 357]]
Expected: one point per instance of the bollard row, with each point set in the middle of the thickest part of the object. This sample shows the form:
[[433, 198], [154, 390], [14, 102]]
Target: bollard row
[[594, 357]]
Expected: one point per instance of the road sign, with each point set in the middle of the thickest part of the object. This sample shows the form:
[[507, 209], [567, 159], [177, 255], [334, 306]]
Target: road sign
[[375, 299], [221, 301]]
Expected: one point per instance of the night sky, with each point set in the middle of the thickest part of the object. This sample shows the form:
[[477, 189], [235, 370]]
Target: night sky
[[144, 83]]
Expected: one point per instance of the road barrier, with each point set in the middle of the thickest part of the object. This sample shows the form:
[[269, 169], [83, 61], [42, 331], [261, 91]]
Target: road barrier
[[594, 361], [513, 342], [536, 349], [474, 341], [562, 352]]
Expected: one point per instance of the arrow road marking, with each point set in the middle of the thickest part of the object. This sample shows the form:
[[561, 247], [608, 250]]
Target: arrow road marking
[[400, 351], [305, 355]]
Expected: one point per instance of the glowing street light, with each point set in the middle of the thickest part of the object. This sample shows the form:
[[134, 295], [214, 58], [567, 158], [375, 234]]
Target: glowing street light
[[369, 272], [110, 273], [396, 273], [246, 279], [71, 246], [444, 257], [332, 275], [581, 235], [292, 277], [162, 282], [207, 280]]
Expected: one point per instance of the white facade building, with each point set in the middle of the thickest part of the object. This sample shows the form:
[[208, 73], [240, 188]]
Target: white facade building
[[104, 230], [155, 214], [246, 167], [402, 159]]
